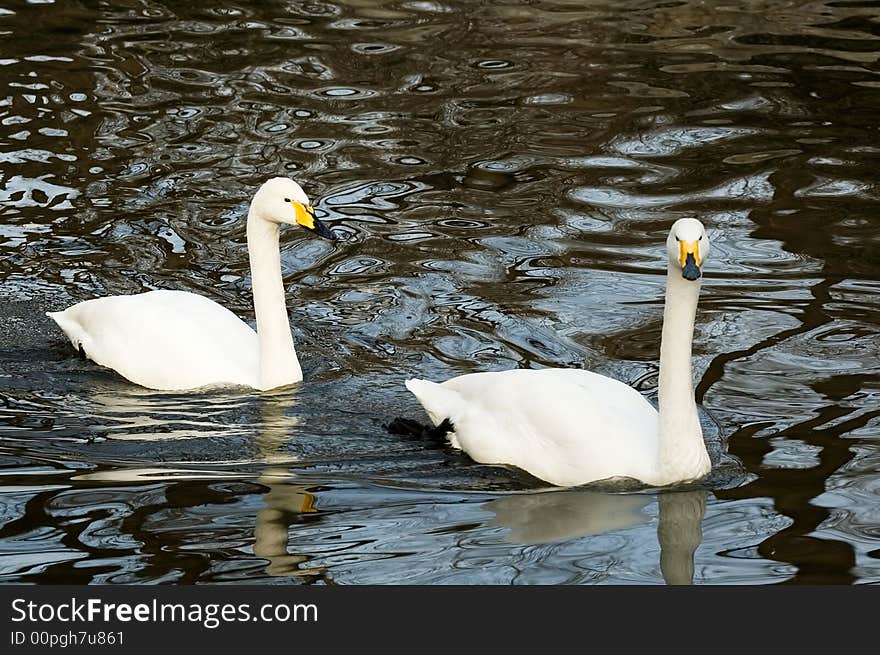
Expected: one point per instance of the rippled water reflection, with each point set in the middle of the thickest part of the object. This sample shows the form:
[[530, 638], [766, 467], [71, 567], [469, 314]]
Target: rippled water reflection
[[505, 174]]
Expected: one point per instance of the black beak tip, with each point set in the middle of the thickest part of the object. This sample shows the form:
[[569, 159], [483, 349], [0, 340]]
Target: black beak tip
[[322, 230], [691, 273]]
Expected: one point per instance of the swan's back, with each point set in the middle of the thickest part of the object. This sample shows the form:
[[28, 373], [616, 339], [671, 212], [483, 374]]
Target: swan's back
[[565, 426], [164, 339]]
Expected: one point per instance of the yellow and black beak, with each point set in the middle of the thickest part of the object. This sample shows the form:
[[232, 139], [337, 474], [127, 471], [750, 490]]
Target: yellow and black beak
[[689, 258], [305, 216]]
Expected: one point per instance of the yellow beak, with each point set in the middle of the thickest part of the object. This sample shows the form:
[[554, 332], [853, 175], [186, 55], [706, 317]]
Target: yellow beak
[[689, 248], [305, 215]]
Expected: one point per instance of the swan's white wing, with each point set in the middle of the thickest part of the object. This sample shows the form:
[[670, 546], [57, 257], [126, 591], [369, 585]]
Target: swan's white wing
[[565, 426], [164, 339]]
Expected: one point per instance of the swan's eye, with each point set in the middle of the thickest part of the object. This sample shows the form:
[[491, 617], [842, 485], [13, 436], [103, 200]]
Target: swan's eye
[[701, 238], [677, 239], [287, 200]]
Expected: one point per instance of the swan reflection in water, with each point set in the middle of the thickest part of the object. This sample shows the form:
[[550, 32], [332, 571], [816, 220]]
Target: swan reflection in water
[[149, 417], [285, 504], [554, 516], [530, 517]]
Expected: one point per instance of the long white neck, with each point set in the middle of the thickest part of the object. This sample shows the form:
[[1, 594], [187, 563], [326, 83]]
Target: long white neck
[[682, 453], [278, 361]]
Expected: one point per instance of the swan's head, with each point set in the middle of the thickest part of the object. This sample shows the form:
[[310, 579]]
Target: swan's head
[[688, 247], [281, 200]]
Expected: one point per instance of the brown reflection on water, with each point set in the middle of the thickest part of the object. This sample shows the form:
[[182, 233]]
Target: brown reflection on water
[[817, 560]]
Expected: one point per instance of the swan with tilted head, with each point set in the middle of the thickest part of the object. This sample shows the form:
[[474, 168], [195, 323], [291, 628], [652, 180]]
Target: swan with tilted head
[[571, 427], [177, 340]]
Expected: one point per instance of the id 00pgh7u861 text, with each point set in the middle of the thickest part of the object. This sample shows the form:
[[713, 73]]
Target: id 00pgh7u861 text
[[64, 639]]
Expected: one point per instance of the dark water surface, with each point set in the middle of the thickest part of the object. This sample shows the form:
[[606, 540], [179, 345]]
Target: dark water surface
[[505, 173]]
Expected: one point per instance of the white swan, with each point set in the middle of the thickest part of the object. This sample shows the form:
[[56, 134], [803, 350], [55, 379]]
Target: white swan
[[571, 427], [177, 340]]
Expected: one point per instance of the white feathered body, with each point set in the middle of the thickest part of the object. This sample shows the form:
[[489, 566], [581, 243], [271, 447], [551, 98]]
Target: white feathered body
[[167, 340], [176, 340], [565, 426], [571, 427]]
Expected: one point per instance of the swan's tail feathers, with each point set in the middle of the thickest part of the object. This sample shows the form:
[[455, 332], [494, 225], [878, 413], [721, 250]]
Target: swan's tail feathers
[[69, 327], [62, 320], [441, 403]]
